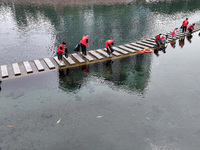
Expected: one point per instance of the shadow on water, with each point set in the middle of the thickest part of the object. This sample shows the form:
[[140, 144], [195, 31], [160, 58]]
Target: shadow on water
[[118, 74]]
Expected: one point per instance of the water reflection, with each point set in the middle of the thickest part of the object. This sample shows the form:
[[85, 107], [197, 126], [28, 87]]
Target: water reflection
[[117, 73], [35, 31]]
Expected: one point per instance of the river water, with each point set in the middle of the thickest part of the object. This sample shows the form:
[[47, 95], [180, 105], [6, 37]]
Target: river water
[[143, 102]]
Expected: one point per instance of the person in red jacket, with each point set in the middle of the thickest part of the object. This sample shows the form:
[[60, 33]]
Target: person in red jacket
[[158, 40], [84, 43], [184, 25], [109, 44], [191, 27], [173, 34], [60, 50]]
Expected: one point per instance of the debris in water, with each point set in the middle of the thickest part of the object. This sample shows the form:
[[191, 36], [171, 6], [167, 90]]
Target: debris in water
[[59, 121], [148, 118], [10, 126], [98, 117]]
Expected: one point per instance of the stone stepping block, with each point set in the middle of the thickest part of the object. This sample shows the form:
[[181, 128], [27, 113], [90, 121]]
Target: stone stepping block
[[77, 57], [88, 57], [103, 52], [133, 47], [149, 42], [114, 53], [49, 63], [126, 48], [4, 71], [145, 44], [138, 45], [28, 67], [119, 50], [16, 69], [96, 54], [39, 65], [62, 64], [69, 60]]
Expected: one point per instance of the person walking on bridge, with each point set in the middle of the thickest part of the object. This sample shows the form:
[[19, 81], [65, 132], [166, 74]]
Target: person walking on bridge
[[84, 43], [60, 51], [173, 34], [109, 44], [191, 28], [185, 24]]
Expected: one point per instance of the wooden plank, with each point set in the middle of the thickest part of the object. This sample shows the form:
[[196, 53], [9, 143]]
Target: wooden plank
[[16, 69], [69, 60], [137, 45], [96, 54], [49, 63], [77, 57], [114, 53], [120, 50], [38, 65], [28, 67], [88, 57], [145, 44], [62, 64], [127, 49], [4, 71], [133, 47], [103, 52]]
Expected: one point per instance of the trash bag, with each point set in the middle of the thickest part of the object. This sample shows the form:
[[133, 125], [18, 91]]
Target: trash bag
[[77, 48], [66, 52]]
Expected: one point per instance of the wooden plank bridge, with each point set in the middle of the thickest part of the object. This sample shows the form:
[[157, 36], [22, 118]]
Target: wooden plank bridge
[[25, 68]]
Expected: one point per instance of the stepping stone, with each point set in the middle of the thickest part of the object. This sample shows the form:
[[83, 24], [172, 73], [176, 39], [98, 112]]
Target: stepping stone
[[38, 65], [28, 67], [75, 55], [4, 71], [114, 53], [145, 44], [62, 64], [69, 60], [96, 54], [119, 50], [49, 63], [149, 42], [103, 52], [16, 69], [137, 45], [127, 49], [133, 47], [88, 57]]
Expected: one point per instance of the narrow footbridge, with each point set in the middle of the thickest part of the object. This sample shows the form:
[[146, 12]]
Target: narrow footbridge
[[25, 68]]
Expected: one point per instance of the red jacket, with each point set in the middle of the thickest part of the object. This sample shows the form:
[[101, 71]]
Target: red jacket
[[84, 40], [191, 27], [61, 48], [109, 43], [173, 33], [185, 23], [157, 38]]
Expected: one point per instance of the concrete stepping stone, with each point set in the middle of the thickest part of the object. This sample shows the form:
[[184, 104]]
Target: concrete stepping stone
[[145, 44], [62, 64], [96, 54], [39, 65], [28, 67], [119, 50], [69, 60], [127, 49], [133, 47], [16, 69], [4, 71], [103, 52], [138, 45], [77, 57], [114, 53], [49, 63], [88, 57]]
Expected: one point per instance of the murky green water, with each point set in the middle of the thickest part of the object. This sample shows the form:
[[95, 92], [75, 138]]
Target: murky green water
[[143, 102]]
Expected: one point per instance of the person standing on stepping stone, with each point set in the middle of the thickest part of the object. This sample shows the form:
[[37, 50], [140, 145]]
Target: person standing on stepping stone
[[185, 24], [84, 43], [60, 51]]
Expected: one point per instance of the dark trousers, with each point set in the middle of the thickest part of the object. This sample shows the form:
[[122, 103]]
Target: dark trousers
[[108, 51], [190, 30], [83, 47], [184, 29], [59, 56]]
